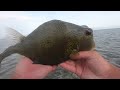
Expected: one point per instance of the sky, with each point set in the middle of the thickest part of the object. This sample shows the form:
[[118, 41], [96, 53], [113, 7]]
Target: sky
[[27, 21]]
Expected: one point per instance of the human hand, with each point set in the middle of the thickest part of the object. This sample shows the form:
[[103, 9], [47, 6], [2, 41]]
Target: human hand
[[91, 65], [26, 70]]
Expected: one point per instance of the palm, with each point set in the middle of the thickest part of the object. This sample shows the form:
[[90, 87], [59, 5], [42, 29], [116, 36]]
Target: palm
[[87, 65], [81, 69], [25, 69]]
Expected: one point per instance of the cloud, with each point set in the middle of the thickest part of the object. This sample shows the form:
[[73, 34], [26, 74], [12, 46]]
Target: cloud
[[19, 15], [26, 21], [18, 20]]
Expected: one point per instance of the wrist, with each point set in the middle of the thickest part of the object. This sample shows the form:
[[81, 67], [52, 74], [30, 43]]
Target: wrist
[[112, 73]]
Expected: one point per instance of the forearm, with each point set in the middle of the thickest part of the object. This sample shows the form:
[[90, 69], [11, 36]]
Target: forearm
[[115, 73], [109, 71]]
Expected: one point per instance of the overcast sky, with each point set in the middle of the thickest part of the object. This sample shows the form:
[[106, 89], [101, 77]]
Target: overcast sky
[[26, 21]]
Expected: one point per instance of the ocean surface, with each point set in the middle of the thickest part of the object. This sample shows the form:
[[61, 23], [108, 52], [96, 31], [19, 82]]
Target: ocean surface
[[107, 44]]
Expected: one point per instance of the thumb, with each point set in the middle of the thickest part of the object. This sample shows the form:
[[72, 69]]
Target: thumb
[[83, 55]]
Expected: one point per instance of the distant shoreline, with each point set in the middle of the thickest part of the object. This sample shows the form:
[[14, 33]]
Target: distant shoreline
[[107, 29]]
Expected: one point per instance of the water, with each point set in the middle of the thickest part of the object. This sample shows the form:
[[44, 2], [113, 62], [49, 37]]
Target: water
[[107, 44], [9, 37]]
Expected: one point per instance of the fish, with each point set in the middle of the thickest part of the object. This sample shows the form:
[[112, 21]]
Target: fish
[[53, 42]]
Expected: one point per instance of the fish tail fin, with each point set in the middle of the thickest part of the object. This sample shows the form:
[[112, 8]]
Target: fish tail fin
[[10, 50]]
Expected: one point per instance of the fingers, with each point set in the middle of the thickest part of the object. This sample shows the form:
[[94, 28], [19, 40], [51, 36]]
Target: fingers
[[68, 65], [54, 67], [25, 60], [48, 67], [83, 55]]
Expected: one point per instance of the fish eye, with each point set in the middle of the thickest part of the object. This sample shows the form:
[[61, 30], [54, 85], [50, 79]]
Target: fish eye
[[88, 33]]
